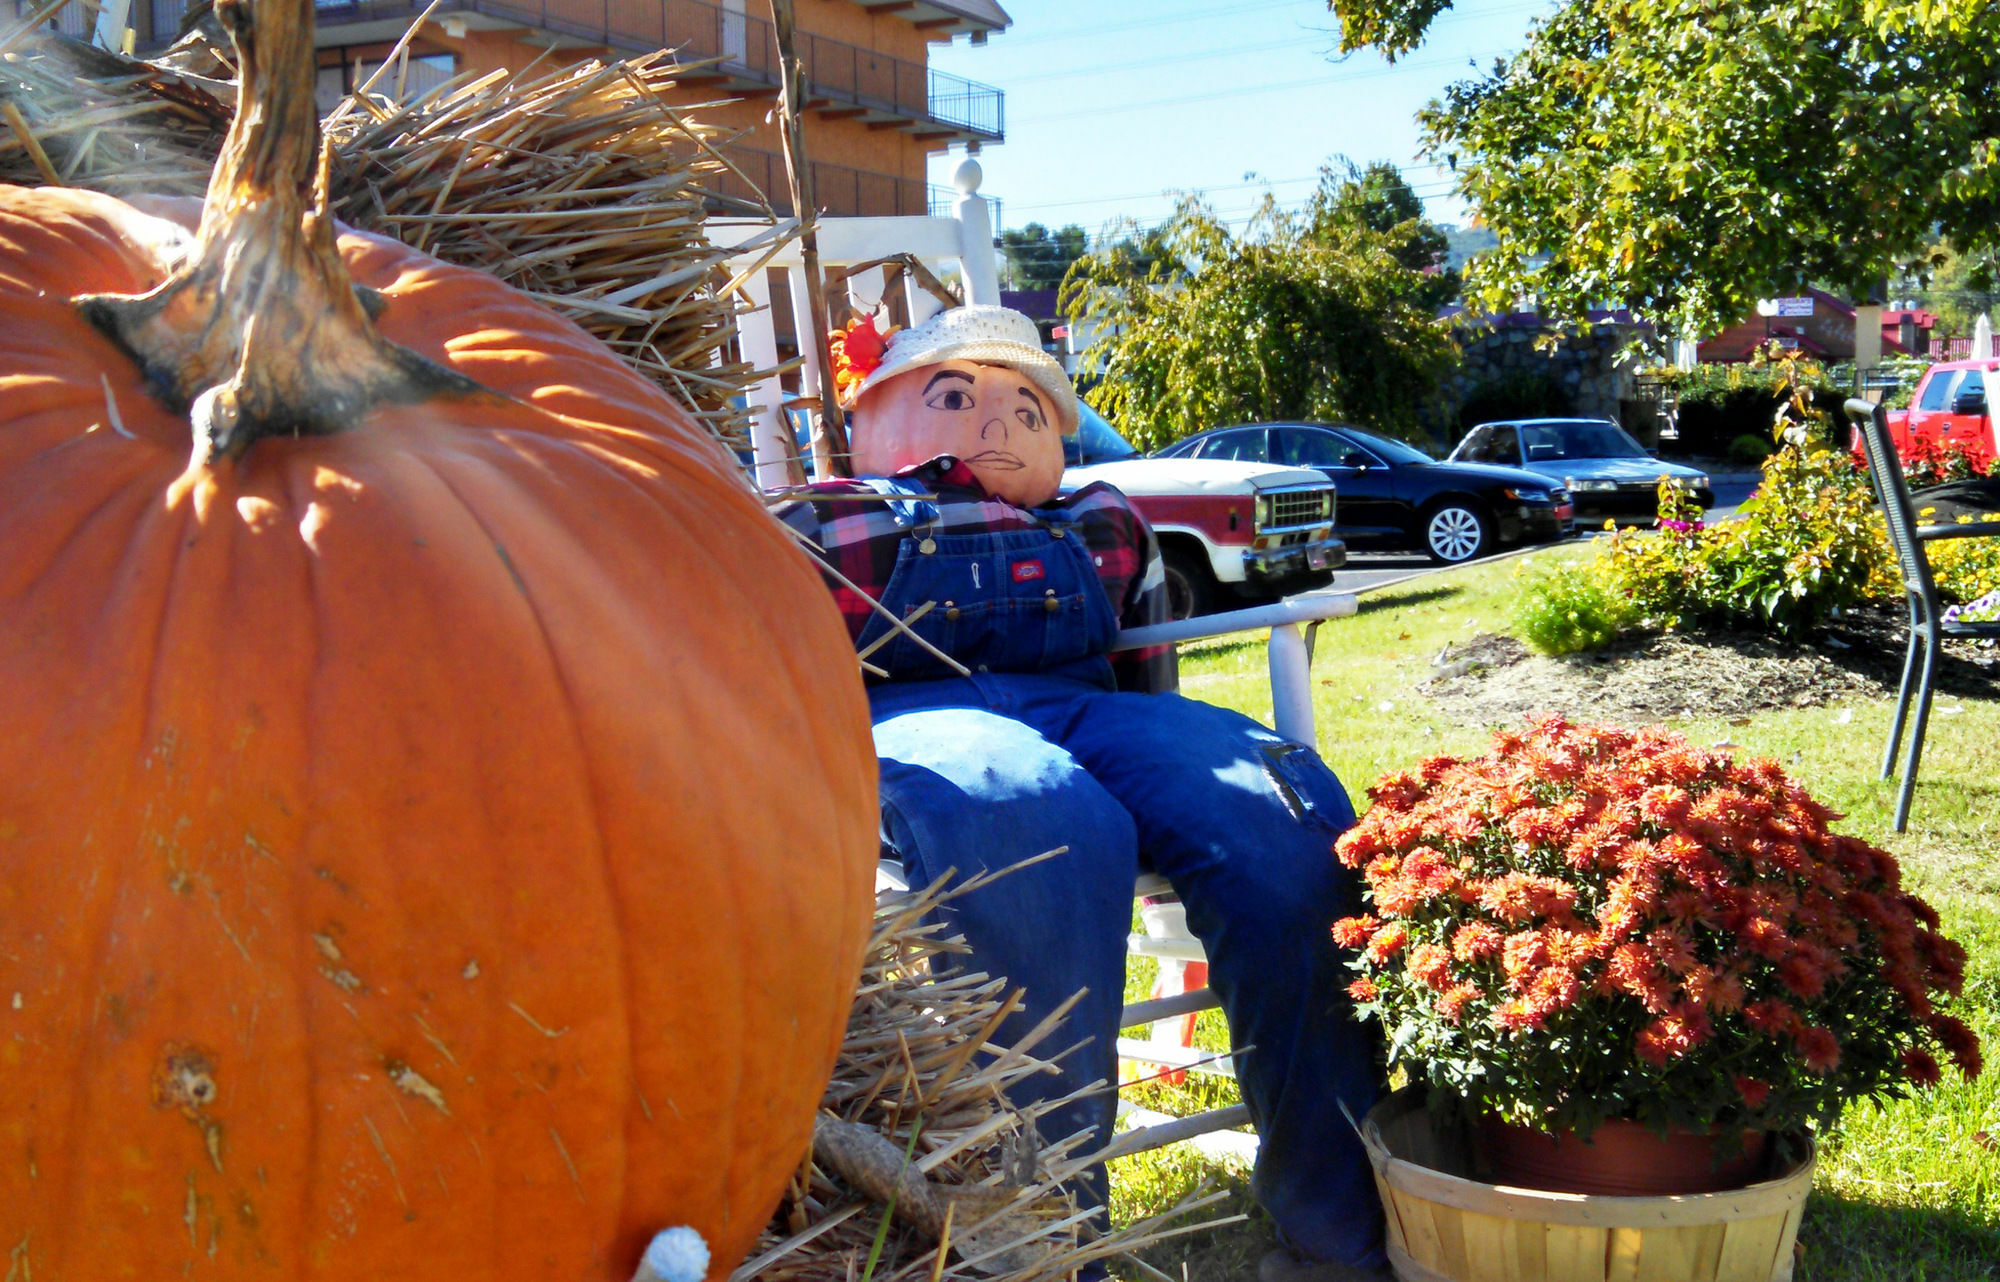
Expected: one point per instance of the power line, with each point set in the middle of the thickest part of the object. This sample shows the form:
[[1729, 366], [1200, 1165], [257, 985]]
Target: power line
[[1239, 92], [1168, 20], [1154, 61], [1426, 190]]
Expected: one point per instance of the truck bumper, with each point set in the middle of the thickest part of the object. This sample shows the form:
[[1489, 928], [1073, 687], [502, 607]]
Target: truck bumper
[[1273, 566]]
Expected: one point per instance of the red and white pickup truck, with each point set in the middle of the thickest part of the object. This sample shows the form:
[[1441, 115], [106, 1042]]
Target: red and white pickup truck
[[1950, 410], [1230, 533]]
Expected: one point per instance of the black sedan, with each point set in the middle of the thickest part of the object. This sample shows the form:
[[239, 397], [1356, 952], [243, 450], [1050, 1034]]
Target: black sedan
[[1393, 495]]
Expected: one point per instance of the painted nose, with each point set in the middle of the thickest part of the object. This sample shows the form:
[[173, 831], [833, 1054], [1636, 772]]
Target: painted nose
[[986, 432]]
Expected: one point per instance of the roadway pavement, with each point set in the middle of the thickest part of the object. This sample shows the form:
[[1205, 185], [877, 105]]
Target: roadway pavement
[[1365, 571]]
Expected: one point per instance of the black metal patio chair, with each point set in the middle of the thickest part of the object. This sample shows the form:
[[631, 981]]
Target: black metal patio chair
[[1928, 626]]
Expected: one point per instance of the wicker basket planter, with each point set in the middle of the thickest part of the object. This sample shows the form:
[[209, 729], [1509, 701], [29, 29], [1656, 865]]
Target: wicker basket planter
[[1445, 1227]]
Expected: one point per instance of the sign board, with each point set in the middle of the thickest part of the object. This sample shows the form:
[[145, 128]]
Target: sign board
[[1795, 306]]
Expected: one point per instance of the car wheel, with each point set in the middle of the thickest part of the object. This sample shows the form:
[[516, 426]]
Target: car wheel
[[1455, 532], [1190, 587]]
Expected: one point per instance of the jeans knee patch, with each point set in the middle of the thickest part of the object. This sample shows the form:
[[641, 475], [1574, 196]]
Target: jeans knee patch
[[1308, 789]]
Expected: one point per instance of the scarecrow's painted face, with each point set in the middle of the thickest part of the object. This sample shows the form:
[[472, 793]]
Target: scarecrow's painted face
[[992, 418]]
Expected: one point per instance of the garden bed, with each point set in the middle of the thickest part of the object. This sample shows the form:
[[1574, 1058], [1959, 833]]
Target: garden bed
[[1494, 679]]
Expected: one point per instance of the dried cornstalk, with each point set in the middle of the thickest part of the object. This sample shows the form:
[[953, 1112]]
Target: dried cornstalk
[[919, 1060], [579, 185]]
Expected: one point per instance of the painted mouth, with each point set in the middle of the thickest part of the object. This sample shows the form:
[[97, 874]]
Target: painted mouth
[[995, 458]]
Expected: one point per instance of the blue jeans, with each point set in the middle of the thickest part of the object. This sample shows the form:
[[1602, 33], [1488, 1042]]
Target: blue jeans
[[981, 772]]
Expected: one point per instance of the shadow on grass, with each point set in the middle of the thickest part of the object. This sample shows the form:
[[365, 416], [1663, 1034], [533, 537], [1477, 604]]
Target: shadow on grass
[[1398, 600], [1848, 1240]]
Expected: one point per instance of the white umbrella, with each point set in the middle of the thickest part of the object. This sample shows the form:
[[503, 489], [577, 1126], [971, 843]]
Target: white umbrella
[[1982, 338]]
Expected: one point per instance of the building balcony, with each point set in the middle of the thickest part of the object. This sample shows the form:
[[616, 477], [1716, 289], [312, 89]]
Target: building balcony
[[842, 80], [841, 191]]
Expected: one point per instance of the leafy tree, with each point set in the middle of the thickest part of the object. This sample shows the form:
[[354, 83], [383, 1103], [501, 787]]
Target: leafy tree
[[1961, 287], [1377, 198], [1327, 314], [1687, 157], [1038, 258]]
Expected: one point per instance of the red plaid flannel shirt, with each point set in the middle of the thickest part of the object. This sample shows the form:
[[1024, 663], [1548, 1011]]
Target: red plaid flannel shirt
[[858, 538]]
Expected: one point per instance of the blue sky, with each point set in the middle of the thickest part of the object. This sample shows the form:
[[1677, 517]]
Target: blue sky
[[1111, 104]]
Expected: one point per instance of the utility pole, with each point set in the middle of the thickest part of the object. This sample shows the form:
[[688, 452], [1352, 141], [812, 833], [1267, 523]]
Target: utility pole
[[829, 442]]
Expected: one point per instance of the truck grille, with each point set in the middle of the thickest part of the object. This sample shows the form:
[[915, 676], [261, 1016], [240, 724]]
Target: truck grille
[[1298, 507]]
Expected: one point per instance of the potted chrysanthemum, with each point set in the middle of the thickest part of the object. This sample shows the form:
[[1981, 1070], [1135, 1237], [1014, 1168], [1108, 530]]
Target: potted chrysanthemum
[[1594, 937]]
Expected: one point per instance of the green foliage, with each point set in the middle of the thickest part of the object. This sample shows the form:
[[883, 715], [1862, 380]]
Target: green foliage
[[1809, 542], [1749, 448], [1515, 395], [1568, 610], [1718, 403], [1687, 157], [1961, 287], [1038, 258], [1909, 371], [1325, 315]]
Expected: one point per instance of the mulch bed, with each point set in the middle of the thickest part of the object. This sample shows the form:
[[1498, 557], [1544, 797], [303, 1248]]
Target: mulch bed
[[1662, 676]]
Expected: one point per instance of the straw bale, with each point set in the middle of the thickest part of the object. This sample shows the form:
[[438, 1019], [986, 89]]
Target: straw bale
[[915, 1114], [577, 184]]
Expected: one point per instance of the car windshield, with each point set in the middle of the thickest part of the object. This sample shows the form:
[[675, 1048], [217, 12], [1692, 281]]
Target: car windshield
[[1096, 441], [1585, 438], [1388, 447]]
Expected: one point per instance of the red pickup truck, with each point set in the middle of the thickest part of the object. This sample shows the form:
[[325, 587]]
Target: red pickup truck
[[1950, 409]]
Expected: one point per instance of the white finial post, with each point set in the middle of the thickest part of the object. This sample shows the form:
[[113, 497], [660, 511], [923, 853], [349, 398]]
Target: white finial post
[[975, 236]]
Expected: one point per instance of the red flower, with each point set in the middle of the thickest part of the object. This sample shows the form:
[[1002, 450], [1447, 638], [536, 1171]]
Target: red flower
[[1765, 938], [1451, 1006], [1352, 932], [1431, 963], [1960, 1042], [1714, 990], [1754, 1092], [1771, 1016], [1672, 949], [1819, 1047], [1363, 990], [1523, 953], [1387, 942], [1920, 1067], [857, 352], [1476, 941]]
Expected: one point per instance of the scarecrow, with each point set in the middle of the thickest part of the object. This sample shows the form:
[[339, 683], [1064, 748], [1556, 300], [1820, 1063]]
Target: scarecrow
[[1010, 731]]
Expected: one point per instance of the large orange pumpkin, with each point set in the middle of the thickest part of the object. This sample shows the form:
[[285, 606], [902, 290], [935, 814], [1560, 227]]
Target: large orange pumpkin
[[439, 849]]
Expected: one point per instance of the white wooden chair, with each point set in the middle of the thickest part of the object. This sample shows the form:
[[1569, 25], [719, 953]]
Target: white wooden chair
[[965, 242]]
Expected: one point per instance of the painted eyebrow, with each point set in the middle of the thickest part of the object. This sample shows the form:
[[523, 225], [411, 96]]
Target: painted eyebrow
[[1030, 394], [947, 373]]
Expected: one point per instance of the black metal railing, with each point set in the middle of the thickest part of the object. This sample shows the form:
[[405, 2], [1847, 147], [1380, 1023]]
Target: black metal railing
[[834, 69], [839, 191]]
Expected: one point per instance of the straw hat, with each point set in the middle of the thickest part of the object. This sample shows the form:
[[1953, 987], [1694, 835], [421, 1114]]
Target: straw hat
[[986, 335]]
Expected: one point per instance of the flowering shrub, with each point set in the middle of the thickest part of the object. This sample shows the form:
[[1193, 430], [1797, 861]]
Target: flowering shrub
[[1965, 569], [1590, 923], [1810, 541], [1933, 462]]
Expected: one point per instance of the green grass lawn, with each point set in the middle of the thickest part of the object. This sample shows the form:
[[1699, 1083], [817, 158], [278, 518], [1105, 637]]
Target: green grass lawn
[[1910, 1191]]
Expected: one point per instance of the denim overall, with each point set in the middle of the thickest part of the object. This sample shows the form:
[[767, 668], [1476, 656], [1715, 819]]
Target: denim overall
[[1037, 750]]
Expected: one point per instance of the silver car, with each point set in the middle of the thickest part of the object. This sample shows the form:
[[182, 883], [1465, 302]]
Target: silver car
[[1607, 472]]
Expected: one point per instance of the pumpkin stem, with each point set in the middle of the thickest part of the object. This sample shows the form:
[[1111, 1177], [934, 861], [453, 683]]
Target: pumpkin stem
[[260, 331]]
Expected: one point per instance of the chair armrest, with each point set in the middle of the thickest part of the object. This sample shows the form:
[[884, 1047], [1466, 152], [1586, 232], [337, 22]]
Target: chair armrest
[[1956, 530], [1306, 607]]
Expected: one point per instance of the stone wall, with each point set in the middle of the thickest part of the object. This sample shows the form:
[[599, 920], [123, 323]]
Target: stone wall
[[1583, 374]]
